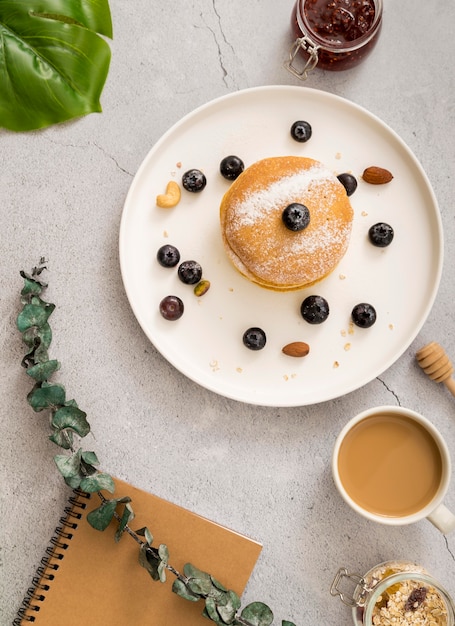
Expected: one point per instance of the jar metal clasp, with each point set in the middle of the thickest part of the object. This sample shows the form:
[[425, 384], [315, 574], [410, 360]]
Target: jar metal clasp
[[309, 47], [355, 598]]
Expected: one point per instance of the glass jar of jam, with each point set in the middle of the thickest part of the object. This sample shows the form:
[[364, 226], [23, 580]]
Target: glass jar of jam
[[332, 34], [398, 592]]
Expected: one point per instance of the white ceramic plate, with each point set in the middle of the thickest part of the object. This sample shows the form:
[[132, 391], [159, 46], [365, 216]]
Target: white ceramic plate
[[205, 344]]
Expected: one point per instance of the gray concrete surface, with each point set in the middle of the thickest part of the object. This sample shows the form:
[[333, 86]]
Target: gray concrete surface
[[263, 471]]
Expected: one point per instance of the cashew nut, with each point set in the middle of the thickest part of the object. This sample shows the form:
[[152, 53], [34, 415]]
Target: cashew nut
[[171, 197]]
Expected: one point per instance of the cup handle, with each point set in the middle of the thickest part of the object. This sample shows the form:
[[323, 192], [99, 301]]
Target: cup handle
[[443, 519]]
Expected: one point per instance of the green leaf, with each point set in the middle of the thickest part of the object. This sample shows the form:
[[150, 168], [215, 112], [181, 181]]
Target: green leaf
[[149, 560], [286, 623], [53, 64], [127, 516], [38, 336], [69, 467], [198, 581], [101, 517], [145, 532], [46, 396], [43, 371], [63, 438], [223, 609], [258, 614], [31, 286], [97, 482], [33, 314], [73, 418], [90, 458], [183, 591]]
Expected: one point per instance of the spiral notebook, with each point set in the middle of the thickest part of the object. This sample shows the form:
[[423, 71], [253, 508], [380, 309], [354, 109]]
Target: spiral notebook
[[88, 579]]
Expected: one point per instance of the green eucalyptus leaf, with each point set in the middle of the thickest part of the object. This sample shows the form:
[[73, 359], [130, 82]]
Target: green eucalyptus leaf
[[211, 612], [229, 609], [149, 560], [43, 371], [90, 458], [145, 532], [258, 614], [198, 581], [31, 286], [287, 623], [97, 482], [69, 467], [70, 417], [163, 553], [183, 591], [162, 572], [101, 517], [223, 609], [127, 516], [63, 438], [46, 396], [33, 314], [38, 338], [53, 64]]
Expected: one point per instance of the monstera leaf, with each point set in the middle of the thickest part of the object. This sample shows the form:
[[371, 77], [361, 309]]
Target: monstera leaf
[[53, 61]]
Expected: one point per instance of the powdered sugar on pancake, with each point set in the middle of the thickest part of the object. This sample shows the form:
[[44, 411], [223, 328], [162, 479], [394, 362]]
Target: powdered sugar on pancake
[[259, 244]]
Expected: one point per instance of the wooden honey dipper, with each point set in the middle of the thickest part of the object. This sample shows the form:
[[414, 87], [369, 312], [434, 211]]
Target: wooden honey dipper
[[436, 364]]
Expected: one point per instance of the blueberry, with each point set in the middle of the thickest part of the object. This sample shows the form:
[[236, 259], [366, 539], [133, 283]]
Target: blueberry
[[194, 181], [314, 309], [168, 256], [363, 315], [190, 272], [171, 308], [301, 131], [296, 216], [254, 338], [381, 234], [349, 182], [231, 167]]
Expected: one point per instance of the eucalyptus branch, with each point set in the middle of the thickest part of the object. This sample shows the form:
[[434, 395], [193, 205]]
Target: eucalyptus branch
[[79, 469]]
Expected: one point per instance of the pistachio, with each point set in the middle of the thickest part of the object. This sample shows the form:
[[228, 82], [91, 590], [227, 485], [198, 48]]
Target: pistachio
[[296, 349], [201, 288], [376, 175]]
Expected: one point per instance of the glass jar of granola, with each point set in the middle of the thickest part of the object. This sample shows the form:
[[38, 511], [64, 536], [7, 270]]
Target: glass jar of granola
[[398, 593]]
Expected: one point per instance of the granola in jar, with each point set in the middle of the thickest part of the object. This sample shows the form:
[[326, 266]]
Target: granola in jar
[[395, 593], [409, 602]]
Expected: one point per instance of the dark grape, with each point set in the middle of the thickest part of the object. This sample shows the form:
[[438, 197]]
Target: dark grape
[[189, 272], [301, 131], [168, 256], [349, 182], [381, 234], [231, 167], [315, 309], [254, 338], [171, 308], [296, 216], [194, 180], [363, 315]]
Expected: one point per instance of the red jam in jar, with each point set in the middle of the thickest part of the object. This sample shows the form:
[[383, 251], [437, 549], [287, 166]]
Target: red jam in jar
[[334, 34]]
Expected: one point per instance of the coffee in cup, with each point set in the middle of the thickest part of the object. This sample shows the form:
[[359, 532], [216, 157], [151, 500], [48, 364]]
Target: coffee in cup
[[393, 466]]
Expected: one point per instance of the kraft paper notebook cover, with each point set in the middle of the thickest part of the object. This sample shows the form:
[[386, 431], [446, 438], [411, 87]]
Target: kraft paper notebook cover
[[100, 583]]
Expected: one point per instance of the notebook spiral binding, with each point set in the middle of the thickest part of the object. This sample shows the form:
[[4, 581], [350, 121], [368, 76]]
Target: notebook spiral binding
[[55, 552]]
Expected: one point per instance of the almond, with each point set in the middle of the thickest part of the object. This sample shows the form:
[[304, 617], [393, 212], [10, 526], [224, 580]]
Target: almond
[[377, 175], [296, 348]]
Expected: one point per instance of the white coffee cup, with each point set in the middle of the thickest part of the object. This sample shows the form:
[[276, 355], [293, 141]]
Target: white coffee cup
[[392, 466]]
